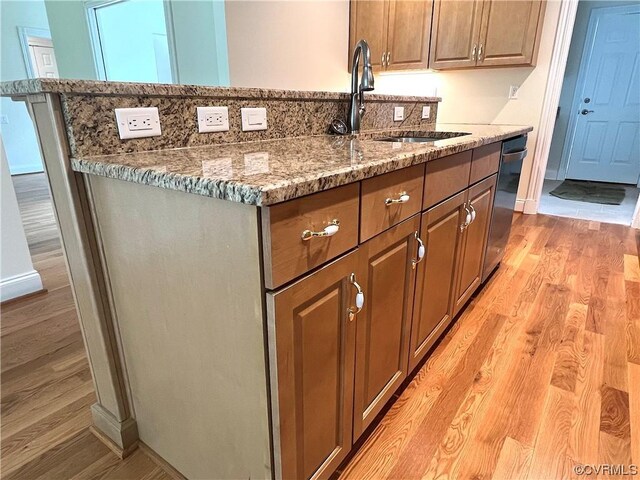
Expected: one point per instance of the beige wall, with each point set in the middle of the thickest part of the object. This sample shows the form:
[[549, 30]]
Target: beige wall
[[304, 45], [298, 45]]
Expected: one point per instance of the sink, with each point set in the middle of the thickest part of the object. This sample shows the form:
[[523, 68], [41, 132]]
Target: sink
[[420, 137]]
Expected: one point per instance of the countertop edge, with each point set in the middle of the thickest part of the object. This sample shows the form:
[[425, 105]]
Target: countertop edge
[[265, 196]]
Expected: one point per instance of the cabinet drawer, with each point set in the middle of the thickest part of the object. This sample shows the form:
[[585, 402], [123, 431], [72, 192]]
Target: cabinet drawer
[[485, 161], [287, 254], [445, 177], [389, 199]]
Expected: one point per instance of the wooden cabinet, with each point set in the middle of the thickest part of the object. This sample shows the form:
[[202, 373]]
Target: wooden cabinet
[[473, 243], [441, 233], [312, 347], [485, 33], [510, 33], [456, 27], [384, 324], [397, 32]]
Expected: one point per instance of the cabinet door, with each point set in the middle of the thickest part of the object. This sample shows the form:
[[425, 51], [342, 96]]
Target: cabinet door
[[369, 21], [474, 241], [409, 34], [311, 345], [441, 234], [456, 29], [510, 32], [383, 326]]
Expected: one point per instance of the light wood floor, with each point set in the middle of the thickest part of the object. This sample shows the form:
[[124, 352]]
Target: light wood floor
[[542, 371]]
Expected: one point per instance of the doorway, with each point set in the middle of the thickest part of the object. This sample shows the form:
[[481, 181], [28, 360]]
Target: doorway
[[130, 40], [594, 161]]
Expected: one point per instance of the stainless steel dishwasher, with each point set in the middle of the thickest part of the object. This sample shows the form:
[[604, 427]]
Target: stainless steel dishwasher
[[513, 153]]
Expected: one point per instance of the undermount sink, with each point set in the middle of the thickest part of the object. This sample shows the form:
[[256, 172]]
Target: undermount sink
[[415, 137]]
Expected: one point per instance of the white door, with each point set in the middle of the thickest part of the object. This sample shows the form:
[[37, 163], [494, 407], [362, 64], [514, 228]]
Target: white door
[[605, 143], [43, 58]]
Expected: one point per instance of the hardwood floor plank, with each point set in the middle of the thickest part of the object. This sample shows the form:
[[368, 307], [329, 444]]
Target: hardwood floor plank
[[632, 290], [514, 461], [584, 434], [565, 370], [634, 411], [631, 268], [614, 416], [549, 454]]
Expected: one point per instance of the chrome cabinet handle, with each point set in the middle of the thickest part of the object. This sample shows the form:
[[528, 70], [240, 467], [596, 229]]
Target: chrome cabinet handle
[[421, 251], [473, 52], [352, 312], [388, 58], [480, 52], [384, 55], [467, 219], [473, 213], [586, 112], [328, 231], [403, 198]]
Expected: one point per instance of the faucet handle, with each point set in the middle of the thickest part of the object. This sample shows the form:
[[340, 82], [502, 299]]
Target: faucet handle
[[362, 109]]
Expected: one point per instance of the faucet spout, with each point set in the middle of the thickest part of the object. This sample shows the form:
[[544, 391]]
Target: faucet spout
[[358, 87]]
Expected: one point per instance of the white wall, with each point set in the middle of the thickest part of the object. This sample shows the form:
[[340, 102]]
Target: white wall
[[17, 276], [20, 139], [571, 76], [279, 44]]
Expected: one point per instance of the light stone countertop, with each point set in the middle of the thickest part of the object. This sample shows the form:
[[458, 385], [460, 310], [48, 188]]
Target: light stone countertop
[[271, 171]]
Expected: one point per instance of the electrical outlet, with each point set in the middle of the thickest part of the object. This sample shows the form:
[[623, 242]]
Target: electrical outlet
[[138, 122], [426, 112], [213, 119], [513, 92], [4, 120], [398, 114]]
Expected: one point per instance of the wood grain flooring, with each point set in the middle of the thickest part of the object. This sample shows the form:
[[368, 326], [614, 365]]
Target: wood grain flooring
[[540, 373]]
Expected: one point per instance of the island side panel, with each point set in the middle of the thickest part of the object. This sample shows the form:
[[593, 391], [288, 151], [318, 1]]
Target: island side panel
[[187, 294], [111, 413]]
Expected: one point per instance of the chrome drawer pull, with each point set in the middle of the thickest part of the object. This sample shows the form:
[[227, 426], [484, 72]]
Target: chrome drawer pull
[[473, 213], [467, 219], [328, 231], [421, 251], [403, 198], [352, 312]]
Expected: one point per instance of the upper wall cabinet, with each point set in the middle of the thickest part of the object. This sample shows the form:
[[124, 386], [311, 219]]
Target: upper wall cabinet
[[397, 32], [487, 33]]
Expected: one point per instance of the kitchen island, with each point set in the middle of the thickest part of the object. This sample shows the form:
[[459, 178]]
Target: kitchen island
[[249, 307]]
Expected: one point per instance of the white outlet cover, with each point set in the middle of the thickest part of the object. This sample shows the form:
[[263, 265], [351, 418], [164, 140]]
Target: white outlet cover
[[426, 112], [513, 92], [213, 119], [138, 122], [398, 114], [253, 119]]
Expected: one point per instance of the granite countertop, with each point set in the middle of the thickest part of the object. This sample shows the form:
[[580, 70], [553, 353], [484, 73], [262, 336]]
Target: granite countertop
[[99, 87], [271, 171]]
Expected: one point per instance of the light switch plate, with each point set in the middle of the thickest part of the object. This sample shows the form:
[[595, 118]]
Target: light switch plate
[[253, 119], [398, 114], [138, 122], [513, 92], [213, 119], [426, 112]]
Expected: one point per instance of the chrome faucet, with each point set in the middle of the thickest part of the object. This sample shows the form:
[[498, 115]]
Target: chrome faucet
[[357, 109]]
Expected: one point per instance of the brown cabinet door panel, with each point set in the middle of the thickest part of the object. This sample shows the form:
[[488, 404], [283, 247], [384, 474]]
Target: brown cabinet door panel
[[510, 32], [441, 234], [455, 32], [383, 326], [409, 34], [311, 346], [473, 245], [369, 21]]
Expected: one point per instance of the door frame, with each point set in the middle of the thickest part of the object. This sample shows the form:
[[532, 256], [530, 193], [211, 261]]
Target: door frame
[[96, 46], [24, 35], [555, 79], [582, 74]]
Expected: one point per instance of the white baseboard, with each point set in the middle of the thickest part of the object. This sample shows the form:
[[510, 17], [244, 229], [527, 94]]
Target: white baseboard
[[519, 205], [530, 206], [20, 285]]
